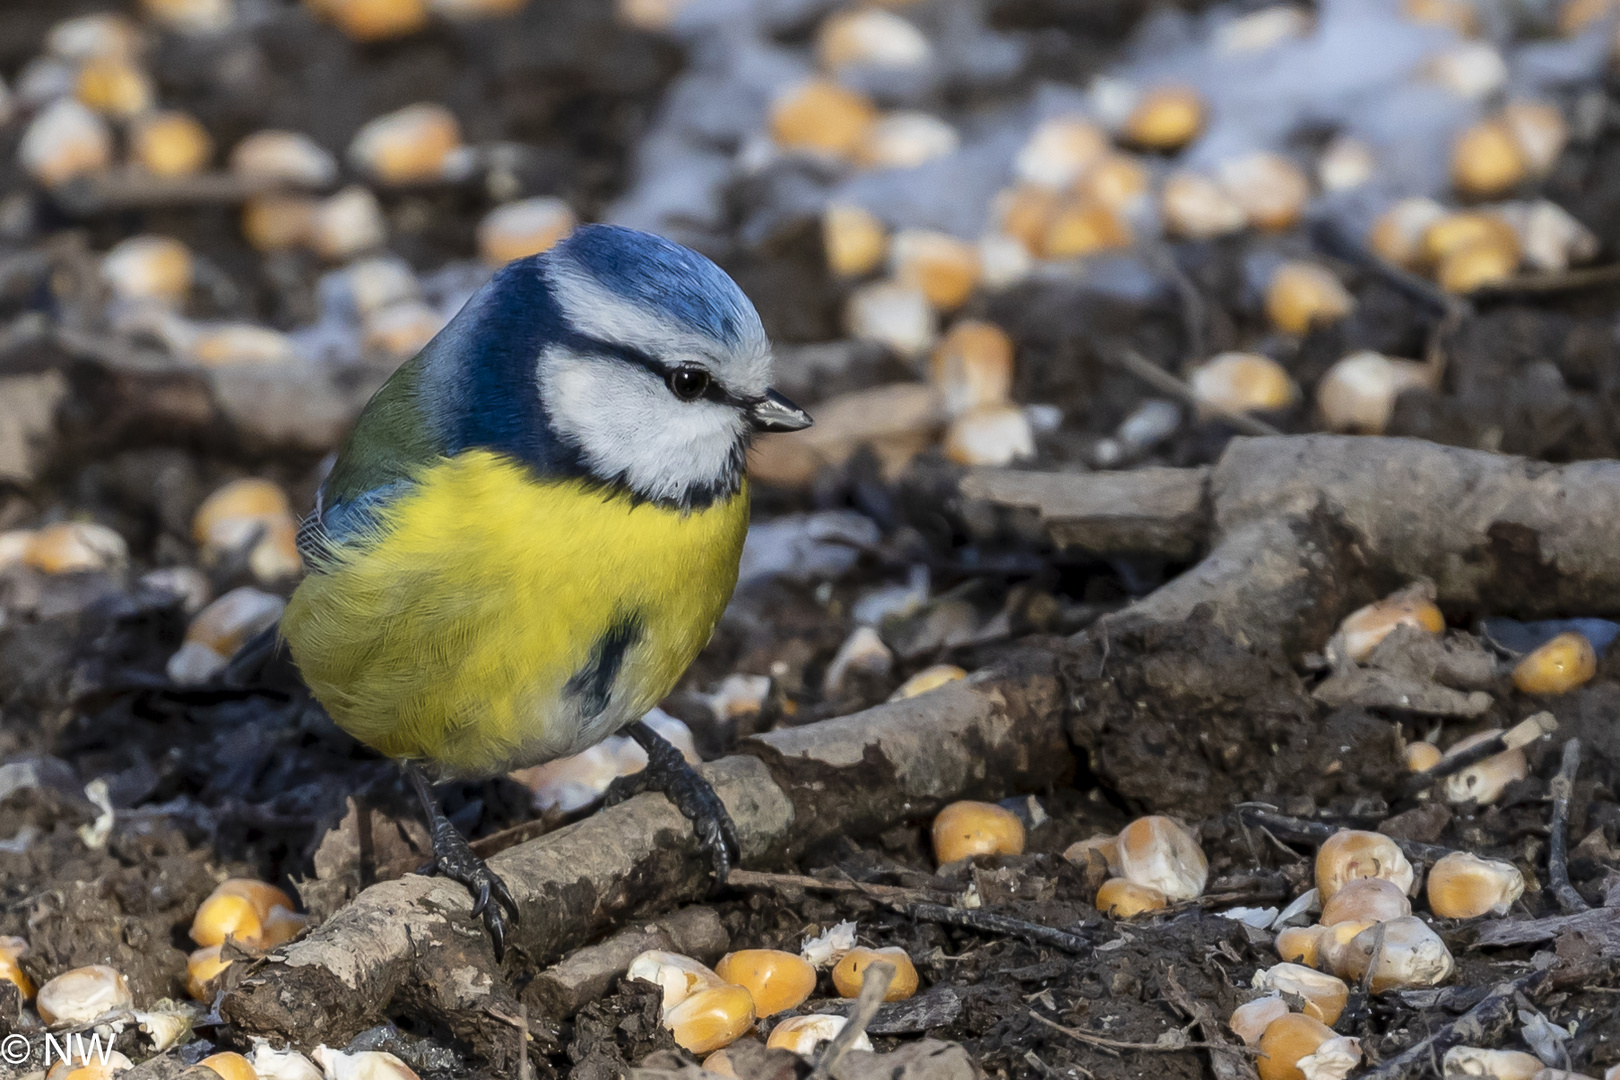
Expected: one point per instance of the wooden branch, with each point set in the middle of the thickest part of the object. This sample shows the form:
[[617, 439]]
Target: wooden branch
[[1154, 510]]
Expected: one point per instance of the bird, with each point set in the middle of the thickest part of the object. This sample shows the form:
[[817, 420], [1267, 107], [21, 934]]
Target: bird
[[535, 524]]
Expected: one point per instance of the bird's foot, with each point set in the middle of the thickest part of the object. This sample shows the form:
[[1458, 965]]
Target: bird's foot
[[455, 859], [667, 771]]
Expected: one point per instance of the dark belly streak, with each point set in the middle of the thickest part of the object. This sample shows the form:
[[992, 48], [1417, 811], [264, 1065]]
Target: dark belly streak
[[593, 683]]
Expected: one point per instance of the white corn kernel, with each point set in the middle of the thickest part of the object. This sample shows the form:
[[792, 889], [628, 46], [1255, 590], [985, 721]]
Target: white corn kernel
[[1483, 782], [1352, 853], [1409, 953], [83, 994], [805, 1035], [1324, 995], [1157, 852], [1359, 392]]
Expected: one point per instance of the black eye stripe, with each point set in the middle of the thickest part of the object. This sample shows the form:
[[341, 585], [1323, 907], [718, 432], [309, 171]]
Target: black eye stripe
[[712, 392]]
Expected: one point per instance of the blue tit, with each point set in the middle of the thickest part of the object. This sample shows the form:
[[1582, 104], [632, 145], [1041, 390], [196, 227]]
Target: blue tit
[[536, 523]]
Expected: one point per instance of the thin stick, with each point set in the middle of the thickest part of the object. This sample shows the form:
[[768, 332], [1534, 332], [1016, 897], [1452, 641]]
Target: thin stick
[[1556, 280], [874, 984], [758, 879], [1478, 1026], [1521, 734], [1227, 1064], [990, 923], [1563, 791], [1330, 238], [1301, 831], [1171, 1047], [1136, 364]]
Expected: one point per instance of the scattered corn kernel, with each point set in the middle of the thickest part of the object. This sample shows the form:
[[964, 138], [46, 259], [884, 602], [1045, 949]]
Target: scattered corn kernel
[[1197, 208], [65, 140], [1459, 15], [1473, 1061], [944, 268], [1156, 852], [1346, 163], [1324, 995], [1240, 382], [1487, 161], [863, 652], [1411, 955], [401, 330], [1271, 190], [170, 143], [1352, 853], [239, 343], [407, 146], [679, 976], [1483, 782], [114, 85], [1470, 69], [711, 1018], [1359, 392], [219, 630], [86, 37], [279, 222], [1334, 1059], [848, 973], [1306, 294], [805, 1035], [348, 223], [1118, 181], [1082, 227], [1549, 236], [1540, 131], [1398, 235], [928, 679], [1060, 151], [855, 240], [1300, 944], [870, 37], [905, 139], [376, 20], [969, 828], [1365, 627], [1559, 666], [236, 512], [12, 950], [1023, 212], [79, 996], [1463, 886], [366, 1065], [777, 980], [288, 156], [994, 435], [148, 268], [1475, 267], [238, 908], [893, 314], [1333, 945], [1120, 898], [1166, 118], [202, 967], [525, 227], [822, 117], [1285, 1041], [75, 547], [1422, 756], [229, 1066], [1250, 1020], [1368, 899], [190, 16]]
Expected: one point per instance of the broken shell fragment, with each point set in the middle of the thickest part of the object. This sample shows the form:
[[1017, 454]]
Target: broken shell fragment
[[993, 435], [1250, 1020], [944, 268], [1324, 995], [1484, 781], [83, 994], [1409, 954], [1271, 190], [1559, 666], [805, 1035], [777, 980], [290, 157], [1353, 853], [849, 972], [1121, 898], [828, 947], [1157, 852], [679, 976], [968, 828], [156, 268], [347, 224], [1334, 1059], [1367, 899], [1306, 294], [365, 1065], [65, 140], [1462, 886], [1197, 208], [1540, 131], [893, 314]]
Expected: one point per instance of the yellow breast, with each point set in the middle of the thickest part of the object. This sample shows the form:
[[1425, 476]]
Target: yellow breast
[[492, 613]]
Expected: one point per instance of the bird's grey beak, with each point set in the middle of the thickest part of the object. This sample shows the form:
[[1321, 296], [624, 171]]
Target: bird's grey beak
[[773, 412]]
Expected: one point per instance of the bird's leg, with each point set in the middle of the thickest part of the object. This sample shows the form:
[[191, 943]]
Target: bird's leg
[[667, 771], [454, 858]]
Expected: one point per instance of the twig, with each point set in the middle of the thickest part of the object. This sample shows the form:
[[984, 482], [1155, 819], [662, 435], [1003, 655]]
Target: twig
[[1302, 831], [1522, 734], [1555, 280], [135, 190], [1478, 1026], [521, 1023], [1227, 1064], [1136, 364], [1330, 238], [1563, 790], [990, 923], [758, 879], [1172, 1046], [874, 984]]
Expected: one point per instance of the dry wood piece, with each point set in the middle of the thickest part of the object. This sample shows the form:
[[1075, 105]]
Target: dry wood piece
[[1479, 1026], [1563, 790], [1156, 510], [411, 943], [564, 988]]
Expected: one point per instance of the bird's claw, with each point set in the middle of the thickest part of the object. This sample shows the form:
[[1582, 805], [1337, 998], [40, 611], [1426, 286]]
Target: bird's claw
[[455, 859], [669, 772]]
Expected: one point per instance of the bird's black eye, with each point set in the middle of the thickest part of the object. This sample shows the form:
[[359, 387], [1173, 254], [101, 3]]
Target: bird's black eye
[[688, 383]]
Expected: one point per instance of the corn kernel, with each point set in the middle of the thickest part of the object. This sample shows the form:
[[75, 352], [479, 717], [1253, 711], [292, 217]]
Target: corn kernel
[[679, 976], [1197, 208], [893, 314], [81, 995], [377, 20], [870, 37], [1300, 944], [1487, 161], [1324, 995], [1368, 899], [154, 268], [854, 240], [229, 621], [1306, 294], [928, 679], [230, 1066], [993, 435], [1540, 131], [190, 16], [1286, 1040], [290, 157], [65, 140], [1463, 1061], [1411, 955], [12, 950], [89, 36], [848, 973], [230, 516], [238, 908], [476, 9], [1365, 627], [1118, 181], [170, 143], [944, 268], [777, 980], [202, 967], [278, 222], [1459, 15], [1333, 945], [366, 1065], [1483, 782], [1334, 1059], [401, 330], [522, 228], [240, 343], [1476, 266], [1453, 233], [1240, 382], [969, 828], [409, 145], [114, 85], [711, 1018], [1023, 212], [347, 224], [822, 117], [1399, 233], [1463, 886], [1471, 69], [1120, 898], [1080, 228], [1250, 1020], [1156, 852], [1271, 190], [805, 1035], [1359, 392], [1352, 853], [75, 547], [1080, 851], [1167, 119], [905, 139], [1060, 151], [972, 366], [1346, 163], [1421, 756], [653, 16], [1559, 666]]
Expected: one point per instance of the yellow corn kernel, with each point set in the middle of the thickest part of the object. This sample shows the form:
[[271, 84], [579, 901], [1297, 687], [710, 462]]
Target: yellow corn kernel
[[1353, 853], [1486, 161], [202, 967], [1286, 1040], [1080, 851], [12, 950], [679, 976], [522, 228], [239, 908], [848, 973], [1240, 382], [86, 36], [822, 117], [926, 680], [1305, 294], [1559, 666], [1061, 151], [805, 1035], [114, 85], [1475, 267], [280, 927], [230, 1066], [1271, 190], [400, 330], [230, 516], [973, 365], [1463, 1061], [1157, 852], [1483, 782], [1120, 898], [287, 156], [377, 20], [1365, 627], [1022, 213], [87, 1064], [1081, 227], [1539, 130], [278, 222], [711, 1018], [1410, 954], [1463, 886], [75, 547], [1399, 233], [1333, 944], [156, 268], [170, 143], [1446, 236], [1118, 181], [1421, 756], [994, 435], [1324, 995], [1368, 899], [1166, 118], [854, 240], [347, 224], [190, 16], [1196, 207], [79, 996], [407, 146], [970, 828], [239, 343], [944, 268], [1359, 392], [1250, 1020], [777, 980], [229, 621], [1300, 944]]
